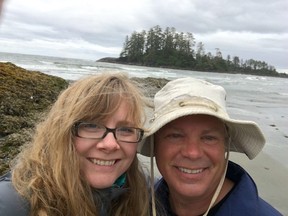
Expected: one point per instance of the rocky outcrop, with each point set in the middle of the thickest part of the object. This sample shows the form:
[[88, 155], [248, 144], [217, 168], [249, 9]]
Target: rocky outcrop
[[150, 85], [24, 96]]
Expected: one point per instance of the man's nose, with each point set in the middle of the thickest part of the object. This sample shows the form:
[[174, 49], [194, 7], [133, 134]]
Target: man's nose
[[192, 148]]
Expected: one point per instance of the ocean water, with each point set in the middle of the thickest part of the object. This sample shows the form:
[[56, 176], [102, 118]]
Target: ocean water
[[249, 97]]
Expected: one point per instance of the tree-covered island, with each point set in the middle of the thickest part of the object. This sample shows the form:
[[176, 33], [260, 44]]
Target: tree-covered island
[[171, 49]]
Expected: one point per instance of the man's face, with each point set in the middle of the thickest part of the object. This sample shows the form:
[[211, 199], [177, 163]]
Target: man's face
[[190, 155]]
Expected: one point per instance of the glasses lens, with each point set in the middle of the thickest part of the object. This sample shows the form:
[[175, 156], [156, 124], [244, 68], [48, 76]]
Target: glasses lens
[[128, 134], [90, 130]]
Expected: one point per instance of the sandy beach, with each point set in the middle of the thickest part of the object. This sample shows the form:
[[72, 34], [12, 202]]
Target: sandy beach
[[270, 176]]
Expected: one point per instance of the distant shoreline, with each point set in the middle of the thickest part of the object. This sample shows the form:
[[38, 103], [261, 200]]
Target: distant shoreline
[[114, 60]]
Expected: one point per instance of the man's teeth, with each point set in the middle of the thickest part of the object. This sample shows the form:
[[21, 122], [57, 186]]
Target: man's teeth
[[103, 162], [189, 171]]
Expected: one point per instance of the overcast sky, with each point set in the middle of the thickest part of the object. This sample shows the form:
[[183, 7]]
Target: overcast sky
[[93, 29]]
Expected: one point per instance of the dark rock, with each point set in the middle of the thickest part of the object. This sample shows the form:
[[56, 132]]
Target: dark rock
[[109, 60], [24, 96], [150, 85]]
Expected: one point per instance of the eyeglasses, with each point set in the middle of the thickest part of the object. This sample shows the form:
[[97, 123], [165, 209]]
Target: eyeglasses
[[98, 131]]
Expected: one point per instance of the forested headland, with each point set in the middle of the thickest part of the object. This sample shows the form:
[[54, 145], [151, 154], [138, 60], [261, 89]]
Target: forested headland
[[172, 49]]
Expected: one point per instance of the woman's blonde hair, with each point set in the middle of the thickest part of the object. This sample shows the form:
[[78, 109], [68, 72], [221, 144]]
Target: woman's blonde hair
[[47, 171]]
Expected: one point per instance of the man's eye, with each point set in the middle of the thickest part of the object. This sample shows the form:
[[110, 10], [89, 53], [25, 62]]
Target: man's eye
[[210, 139], [174, 135]]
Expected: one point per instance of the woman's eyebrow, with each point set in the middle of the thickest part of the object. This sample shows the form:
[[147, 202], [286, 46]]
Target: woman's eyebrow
[[125, 122]]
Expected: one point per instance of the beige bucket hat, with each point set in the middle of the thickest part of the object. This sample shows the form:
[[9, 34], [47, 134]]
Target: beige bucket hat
[[189, 96]]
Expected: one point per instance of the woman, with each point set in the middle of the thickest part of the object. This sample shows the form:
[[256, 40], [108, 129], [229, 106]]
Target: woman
[[82, 160]]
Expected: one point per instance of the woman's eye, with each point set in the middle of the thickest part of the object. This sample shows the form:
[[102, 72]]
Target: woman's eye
[[91, 127], [126, 130]]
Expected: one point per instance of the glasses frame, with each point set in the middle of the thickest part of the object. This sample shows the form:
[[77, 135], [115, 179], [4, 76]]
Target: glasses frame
[[108, 130]]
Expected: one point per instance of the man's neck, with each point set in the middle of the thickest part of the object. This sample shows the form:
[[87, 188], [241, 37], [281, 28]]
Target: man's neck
[[195, 206]]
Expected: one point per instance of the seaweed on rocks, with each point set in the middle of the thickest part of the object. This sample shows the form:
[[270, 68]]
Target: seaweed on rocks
[[24, 96]]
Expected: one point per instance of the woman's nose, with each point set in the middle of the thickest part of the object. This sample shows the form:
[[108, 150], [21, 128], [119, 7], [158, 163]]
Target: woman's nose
[[108, 143]]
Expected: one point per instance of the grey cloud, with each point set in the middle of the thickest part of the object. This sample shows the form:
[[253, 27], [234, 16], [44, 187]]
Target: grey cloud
[[209, 16], [107, 25]]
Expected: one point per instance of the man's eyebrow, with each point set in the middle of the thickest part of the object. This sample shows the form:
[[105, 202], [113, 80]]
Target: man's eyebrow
[[214, 129]]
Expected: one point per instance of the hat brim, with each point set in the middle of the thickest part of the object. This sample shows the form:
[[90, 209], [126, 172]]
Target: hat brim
[[246, 136]]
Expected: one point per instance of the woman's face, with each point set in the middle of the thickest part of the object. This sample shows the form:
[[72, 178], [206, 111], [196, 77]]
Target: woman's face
[[102, 161]]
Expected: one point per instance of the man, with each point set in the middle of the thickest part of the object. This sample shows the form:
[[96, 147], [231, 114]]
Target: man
[[191, 135]]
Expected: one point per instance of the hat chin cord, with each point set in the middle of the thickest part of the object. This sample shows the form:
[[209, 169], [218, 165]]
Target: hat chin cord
[[152, 177], [219, 187]]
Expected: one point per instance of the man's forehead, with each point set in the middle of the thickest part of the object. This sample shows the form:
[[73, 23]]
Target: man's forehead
[[210, 121]]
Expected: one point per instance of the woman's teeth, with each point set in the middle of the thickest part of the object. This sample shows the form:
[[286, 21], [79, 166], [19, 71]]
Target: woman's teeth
[[102, 162]]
